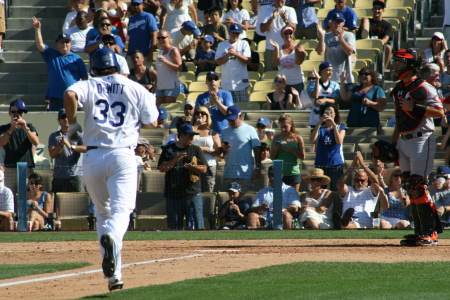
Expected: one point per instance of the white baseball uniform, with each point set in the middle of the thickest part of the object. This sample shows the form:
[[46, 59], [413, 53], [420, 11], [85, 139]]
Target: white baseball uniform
[[115, 107]]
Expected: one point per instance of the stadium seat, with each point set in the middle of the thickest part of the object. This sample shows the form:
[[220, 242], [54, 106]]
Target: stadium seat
[[72, 205], [176, 106], [150, 204], [386, 131], [155, 132], [193, 96], [366, 131], [258, 96], [153, 181], [198, 87], [269, 75], [264, 86], [248, 105]]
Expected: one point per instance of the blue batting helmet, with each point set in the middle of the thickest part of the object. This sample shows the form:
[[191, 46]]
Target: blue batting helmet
[[104, 58]]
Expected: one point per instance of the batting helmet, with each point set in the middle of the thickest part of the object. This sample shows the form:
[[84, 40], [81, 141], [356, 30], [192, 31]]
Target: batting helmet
[[385, 152], [104, 58], [412, 61]]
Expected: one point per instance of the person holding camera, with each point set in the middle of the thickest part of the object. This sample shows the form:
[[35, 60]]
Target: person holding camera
[[17, 138], [233, 212]]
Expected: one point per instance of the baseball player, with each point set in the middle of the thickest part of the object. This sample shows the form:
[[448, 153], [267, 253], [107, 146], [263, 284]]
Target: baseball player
[[416, 104], [115, 109]]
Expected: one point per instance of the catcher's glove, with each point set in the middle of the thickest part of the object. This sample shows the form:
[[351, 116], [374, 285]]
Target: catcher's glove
[[385, 152]]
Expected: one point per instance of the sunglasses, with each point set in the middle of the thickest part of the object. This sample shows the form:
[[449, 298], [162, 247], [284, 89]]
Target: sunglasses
[[135, 4], [312, 78], [288, 33], [278, 81], [364, 74], [33, 183], [212, 79], [162, 37], [260, 125], [359, 180], [16, 112], [105, 24], [64, 42], [109, 43], [315, 179], [188, 107], [200, 113]]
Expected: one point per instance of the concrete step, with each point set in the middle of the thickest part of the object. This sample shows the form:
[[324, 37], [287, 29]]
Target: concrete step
[[40, 3], [420, 42], [24, 88], [428, 32], [22, 23], [23, 56], [24, 45], [436, 21], [28, 34], [23, 67], [30, 99], [24, 77], [38, 12]]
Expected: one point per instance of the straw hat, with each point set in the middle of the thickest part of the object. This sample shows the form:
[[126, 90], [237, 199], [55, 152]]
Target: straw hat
[[317, 173], [387, 175]]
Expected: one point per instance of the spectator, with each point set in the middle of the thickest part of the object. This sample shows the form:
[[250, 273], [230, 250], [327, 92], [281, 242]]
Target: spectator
[[254, 22], [41, 163], [40, 203], [265, 131], [216, 29], [173, 137], [235, 13], [204, 58], [241, 146], [337, 46], [142, 31], [359, 200], [207, 18], [64, 67], [289, 147], [70, 20], [217, 101], [116, 10], [109, 42], [96, 42], [288, 59], [162, 118], [440, 193], [17, 138], [185, 39], [306, 17], [265, 153], [176, 12], [6, 203], [233, 56], [168, 65], [67, 171], [367, 99], [329, 134], [397, 214], [2, 29], [273, 20], [99, 14], [233, 212], [183, 162], [208, 140], [279, 99], [145, 150], [434, 52], [78, 33], [444, 78], [322, 91], [254, 62], [205, 6], [141, 73], [349, 16], [378, 28], [430, 73], [188, 110], [140, 151], [315, 211], [264, 202]]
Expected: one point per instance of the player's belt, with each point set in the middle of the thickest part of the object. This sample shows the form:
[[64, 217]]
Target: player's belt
[[91, 148], [409, 136]]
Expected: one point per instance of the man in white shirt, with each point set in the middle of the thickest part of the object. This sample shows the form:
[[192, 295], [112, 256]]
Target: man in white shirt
[[183, 38], [234, 55], [274, 18], [70, 17], [78, 33]]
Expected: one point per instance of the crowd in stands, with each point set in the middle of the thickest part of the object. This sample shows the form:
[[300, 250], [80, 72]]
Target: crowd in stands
[[157, 42]]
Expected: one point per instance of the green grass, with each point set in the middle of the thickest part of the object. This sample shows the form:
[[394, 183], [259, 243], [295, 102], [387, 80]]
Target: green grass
[[309, 280], [12, 271], [211, 235]]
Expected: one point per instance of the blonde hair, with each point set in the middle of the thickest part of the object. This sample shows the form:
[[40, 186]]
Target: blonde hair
[[205, 110], [287, 119], [281, 76], [168, 34]]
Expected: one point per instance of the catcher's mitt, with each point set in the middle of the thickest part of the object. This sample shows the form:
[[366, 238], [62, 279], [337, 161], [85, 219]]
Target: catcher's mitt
[[385, 152], [193, 176]]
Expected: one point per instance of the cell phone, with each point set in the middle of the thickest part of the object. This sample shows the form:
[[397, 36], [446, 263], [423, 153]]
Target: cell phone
[[327, 112], [16, 116], [226, 143], [277, 142]]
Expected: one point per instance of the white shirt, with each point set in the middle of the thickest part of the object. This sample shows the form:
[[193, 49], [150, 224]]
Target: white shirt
[[78, 37], [265, 196], [363, 202], [69, 18], [123, 65], [239, 16], [274, 32], [234, 72], [180, 40], [115, 107]]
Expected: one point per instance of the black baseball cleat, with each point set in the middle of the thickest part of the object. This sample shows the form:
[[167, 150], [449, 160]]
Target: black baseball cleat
[[109, 259], [409, 243], [115, 285]]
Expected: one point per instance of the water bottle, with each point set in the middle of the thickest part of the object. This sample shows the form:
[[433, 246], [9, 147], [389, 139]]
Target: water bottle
[[269, 219], [191, 223], [375, 220], [296, 225], [440, 182]]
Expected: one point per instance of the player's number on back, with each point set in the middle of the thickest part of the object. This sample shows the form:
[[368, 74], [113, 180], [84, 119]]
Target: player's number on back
[[118, 109]]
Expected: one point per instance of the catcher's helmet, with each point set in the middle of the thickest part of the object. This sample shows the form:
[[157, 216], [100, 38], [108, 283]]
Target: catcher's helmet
[[104, 58], [412, 60], [385, 152]]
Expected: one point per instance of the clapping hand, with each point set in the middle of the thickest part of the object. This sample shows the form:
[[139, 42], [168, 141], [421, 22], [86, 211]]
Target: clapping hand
[[343, 76], [274, 44]]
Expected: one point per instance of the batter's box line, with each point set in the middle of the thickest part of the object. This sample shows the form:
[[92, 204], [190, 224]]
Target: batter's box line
[[96, 271]]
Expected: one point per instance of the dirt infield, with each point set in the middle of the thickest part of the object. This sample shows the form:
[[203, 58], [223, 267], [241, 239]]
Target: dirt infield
[[214, 258]]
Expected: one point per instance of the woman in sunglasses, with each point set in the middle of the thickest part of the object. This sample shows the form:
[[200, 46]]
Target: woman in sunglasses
[[279, 99], [397, 215], [40, 203], [317, 202], [367, 99], [208, 140], [434, 51], [96, 42]]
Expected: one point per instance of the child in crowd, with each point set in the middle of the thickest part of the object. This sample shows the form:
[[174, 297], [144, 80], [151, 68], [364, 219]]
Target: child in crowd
[[204, 59], [162, 118], [265, 153], [233, 213], [264, 130], [216, 29]]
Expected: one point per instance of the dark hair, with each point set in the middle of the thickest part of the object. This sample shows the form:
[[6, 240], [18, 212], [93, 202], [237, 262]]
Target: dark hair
[[228, 8], [136, 52], [264, 147], [97, 17], [103, 18], [37, 178], [82, 14], [207, 11], [214, 9], [373, 74], [337, 116], [106, 71]]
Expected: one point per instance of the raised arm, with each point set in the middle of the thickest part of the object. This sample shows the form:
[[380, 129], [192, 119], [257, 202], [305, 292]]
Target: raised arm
[[38, 34]]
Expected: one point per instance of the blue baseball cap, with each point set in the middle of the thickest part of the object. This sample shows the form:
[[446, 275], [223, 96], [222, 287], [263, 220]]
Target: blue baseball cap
[[137, 1], [212, 75], [233, 112], [20, 105], [208, 38], [443, 170], [62, 36], [186, 128], [235, 187], [190, 26], [324, 65], [62, 113], [235, 27], [337, 16], [263, 121], [162, 113]]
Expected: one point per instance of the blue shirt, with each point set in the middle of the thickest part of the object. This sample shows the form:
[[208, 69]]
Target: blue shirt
[[349, 15], [140, 28], [395, 210], [95, 38], [202, 54], [306, 14], [328, 152], [63, 71], [218, 119]]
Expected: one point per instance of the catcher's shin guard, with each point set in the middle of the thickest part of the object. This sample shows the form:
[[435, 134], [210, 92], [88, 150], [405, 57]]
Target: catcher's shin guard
[[427, 219]]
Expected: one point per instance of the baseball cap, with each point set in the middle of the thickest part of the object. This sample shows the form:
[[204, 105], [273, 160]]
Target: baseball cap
[[233, 112], [337, 16], [190, 26], [263, 121], [379, 2], [324, 65], [162, 113], [62, 36], [136, 1], [189, 102], [443, 170], [235, 187], [439, 35], [186, 128], [235, 27], [143, 142], [62, 113], [212, 75], [208, 38], [287, 28], [20, 105], [108, 37]]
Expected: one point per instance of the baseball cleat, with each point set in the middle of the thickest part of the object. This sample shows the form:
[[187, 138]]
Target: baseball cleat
[[424, 240], [409, 243], [109, 259], [115, 285]]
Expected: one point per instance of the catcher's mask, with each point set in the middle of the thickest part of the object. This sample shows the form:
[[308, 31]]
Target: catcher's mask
[[413, 62], [385, 152]]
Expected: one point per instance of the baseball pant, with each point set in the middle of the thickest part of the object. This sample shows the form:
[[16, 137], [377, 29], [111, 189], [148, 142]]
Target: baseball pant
[[416, 155]]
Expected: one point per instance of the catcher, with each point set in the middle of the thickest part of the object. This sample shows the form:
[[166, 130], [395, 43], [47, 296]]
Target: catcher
[[182, 162], [416, 104]]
